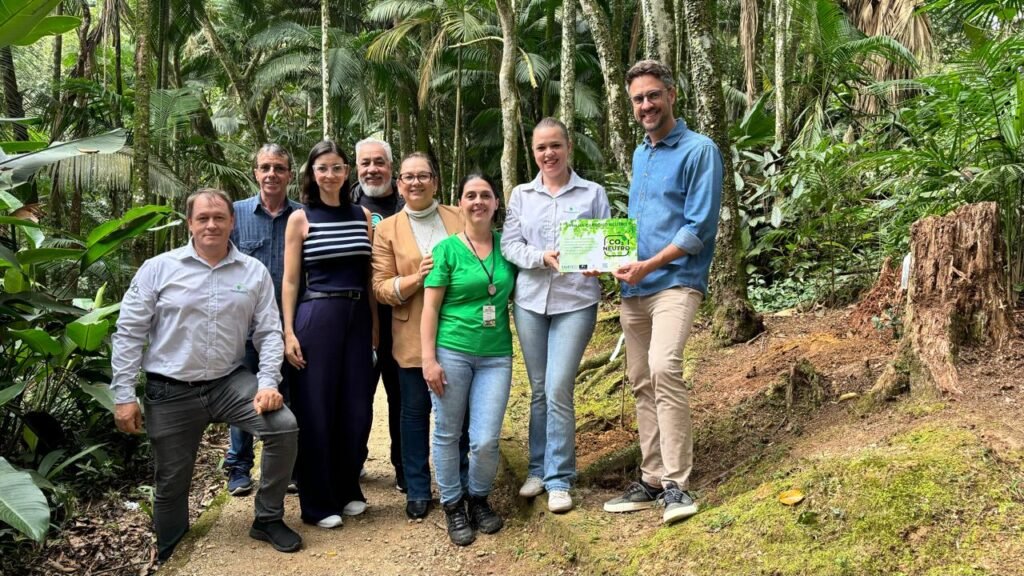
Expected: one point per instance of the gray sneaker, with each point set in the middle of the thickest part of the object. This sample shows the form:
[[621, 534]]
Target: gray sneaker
[[638, 496], [679, 505]]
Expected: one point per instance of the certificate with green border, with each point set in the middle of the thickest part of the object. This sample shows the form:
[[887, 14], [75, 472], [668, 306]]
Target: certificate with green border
[[596, 245]]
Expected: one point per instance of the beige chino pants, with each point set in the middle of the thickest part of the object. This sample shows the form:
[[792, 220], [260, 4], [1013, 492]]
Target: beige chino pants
[[656, 328]]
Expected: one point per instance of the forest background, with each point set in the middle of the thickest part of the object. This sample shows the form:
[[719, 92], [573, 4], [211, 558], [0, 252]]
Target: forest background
[[841, 122]]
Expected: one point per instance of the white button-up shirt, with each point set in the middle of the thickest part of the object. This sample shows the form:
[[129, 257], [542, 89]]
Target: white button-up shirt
[[196, 319], [531, 228]]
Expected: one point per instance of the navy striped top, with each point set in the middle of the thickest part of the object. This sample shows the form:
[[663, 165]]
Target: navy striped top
[[336, 252]]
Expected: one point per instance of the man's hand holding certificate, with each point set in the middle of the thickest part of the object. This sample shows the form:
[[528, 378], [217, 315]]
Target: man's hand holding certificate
[[596, 245]]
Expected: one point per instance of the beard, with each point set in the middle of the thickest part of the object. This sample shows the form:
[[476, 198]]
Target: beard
[[376, 191]]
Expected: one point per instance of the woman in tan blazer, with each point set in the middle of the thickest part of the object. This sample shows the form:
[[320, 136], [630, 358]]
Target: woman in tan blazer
[[402, 246]]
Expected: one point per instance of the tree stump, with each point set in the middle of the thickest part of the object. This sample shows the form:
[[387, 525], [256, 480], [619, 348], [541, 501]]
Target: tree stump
[[957, 297]]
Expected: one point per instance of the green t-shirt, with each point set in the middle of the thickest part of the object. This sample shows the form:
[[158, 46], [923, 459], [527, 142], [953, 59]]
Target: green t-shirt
[[460, 325]]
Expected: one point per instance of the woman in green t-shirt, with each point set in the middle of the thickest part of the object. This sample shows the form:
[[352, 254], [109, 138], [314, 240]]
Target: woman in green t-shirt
[[467, 357]]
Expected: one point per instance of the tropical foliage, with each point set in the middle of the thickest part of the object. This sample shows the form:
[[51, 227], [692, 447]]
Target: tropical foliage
[[848, 120]]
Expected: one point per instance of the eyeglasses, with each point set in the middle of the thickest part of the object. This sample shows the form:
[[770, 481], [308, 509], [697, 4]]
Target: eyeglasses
[[268, 168], [334, 169], [410, 178], [654, 96]]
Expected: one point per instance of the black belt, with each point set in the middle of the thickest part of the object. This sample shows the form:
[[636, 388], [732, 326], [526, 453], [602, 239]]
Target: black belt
[[193, 384], [313, 295]]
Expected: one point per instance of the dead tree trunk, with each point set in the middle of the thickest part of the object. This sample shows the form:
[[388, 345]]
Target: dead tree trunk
[[956, 297]]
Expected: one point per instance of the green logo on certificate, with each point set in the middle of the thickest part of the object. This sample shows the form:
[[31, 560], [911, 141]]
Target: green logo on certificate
[[596, 245]]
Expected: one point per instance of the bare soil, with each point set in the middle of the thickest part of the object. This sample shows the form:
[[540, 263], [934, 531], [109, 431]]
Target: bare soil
[[382, 541]]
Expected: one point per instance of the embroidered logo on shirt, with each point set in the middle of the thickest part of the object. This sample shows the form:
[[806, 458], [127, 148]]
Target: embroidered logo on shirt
[[239, 289]]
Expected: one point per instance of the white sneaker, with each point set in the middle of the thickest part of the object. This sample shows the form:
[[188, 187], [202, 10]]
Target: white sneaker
[[532, 487], [559, 501], [354, 508], [332, 521]]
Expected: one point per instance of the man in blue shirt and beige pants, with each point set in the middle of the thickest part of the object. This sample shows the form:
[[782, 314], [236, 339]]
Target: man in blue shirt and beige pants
[[675, 197]]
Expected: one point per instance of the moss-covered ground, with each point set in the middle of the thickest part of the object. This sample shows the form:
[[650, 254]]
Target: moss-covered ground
[[920, 485], [930, 501]]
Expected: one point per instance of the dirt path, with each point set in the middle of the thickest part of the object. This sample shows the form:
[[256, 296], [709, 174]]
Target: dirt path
[[380, 542]]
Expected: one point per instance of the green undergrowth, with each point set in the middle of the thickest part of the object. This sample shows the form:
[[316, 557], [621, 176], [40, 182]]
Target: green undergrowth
[[932, 501]]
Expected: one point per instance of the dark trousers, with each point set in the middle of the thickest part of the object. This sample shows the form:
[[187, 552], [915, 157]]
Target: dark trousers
[[239, 457], [387, 371], [416, 436], [177, 415], [332, 398]]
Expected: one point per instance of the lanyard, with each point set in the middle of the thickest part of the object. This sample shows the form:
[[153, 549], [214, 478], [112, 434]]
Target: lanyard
[[491, 288]]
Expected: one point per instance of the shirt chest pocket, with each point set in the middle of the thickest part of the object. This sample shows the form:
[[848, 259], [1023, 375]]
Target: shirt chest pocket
[[572, 211], [238, 301], [250, 247]]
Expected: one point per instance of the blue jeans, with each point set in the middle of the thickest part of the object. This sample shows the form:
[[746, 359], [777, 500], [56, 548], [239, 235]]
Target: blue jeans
[[415, 427], [240, 456], [478, 387], [562, 338]]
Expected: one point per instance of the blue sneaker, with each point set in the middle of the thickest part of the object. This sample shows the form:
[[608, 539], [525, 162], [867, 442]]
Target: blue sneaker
[[239, 483]]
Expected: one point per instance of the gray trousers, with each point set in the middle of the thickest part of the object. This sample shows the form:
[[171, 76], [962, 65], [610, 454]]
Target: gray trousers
[[176, 417]]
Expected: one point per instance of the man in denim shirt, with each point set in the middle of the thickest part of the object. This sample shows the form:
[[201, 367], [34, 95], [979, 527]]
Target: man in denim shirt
[[259, 232], [675, 197]]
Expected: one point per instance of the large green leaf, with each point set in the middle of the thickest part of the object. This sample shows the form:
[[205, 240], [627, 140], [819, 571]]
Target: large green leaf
[[18, 147], [24, 166], [19, 17], [88, 335], [22, 504], [39, 341], [107, 228], [40, 255], [50, 26], [102, 394], [7, 258], [124, 229], [11, 392], [14, 281]]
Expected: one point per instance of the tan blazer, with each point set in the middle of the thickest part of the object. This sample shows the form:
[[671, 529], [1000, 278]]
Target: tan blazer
[[395, 254]]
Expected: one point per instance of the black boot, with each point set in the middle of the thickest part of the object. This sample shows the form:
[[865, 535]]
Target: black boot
[[482, 516], [459, 529]]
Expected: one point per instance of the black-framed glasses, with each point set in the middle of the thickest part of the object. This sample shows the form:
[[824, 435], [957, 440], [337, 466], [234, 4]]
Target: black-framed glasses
[[410, 178], [652, 96], [268, 168]]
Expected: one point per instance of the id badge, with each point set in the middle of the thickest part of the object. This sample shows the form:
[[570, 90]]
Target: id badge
[[490, 316]]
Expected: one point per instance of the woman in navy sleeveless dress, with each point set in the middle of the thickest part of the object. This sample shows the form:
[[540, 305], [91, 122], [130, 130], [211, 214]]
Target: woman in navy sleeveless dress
[[330, 328]]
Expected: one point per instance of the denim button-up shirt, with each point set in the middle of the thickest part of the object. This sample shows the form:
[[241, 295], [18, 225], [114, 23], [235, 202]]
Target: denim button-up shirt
[[260, 235], [531, 228], [675, 197]]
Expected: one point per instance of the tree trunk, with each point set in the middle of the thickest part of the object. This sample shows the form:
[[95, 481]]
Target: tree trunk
[[508, 96], [58, 55], [567, 76], [749, 19], [782, 15], [238, 82], [457, 137], [735, 319], [13, 105], [325, 78], [956, 298], [118, 85], [614, 85], [140, 129], [659, 31]]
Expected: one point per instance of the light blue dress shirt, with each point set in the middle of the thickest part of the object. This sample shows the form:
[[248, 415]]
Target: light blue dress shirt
[[195, 319], [532, 227], [675, 197]]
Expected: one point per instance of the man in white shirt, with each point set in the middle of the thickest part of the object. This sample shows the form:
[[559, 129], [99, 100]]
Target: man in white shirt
[[195, 306]]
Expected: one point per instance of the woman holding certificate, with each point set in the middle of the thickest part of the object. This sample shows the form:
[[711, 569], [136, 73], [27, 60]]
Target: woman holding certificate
[[554, 313], [467, 358]]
